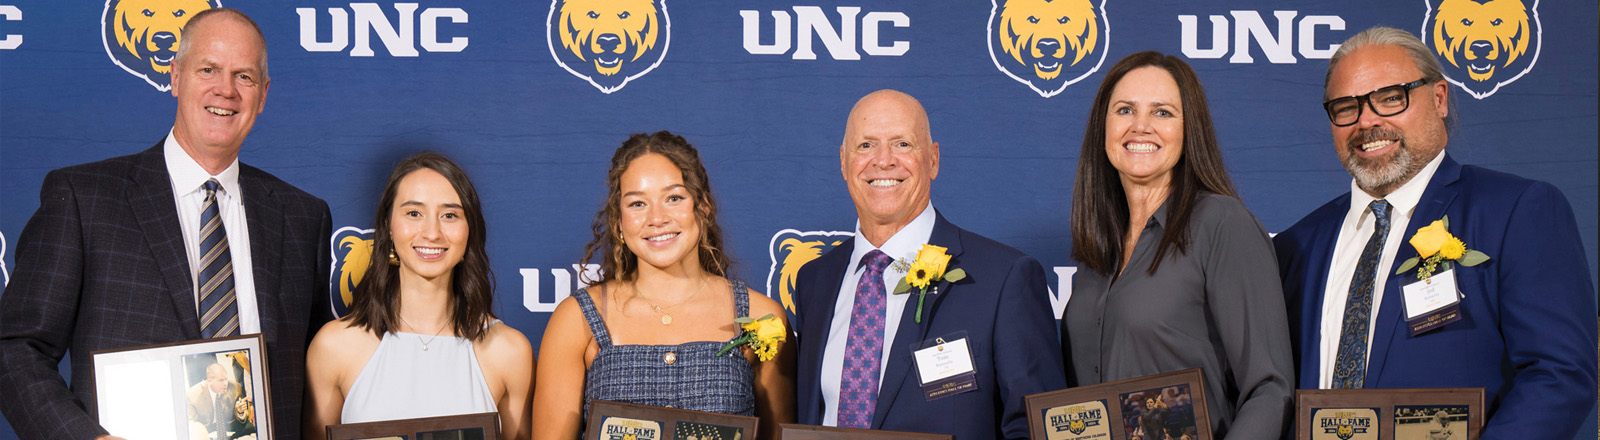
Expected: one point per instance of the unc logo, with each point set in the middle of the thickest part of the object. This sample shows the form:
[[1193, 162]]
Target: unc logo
[[1077, 426], [352, 252], [1485, 43], [142, 36], [1048, 44], [791, 249], [608, 42], [1345, 432]]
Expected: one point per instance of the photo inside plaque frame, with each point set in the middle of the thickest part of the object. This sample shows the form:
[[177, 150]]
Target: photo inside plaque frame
[[1389, 414], [790, 431], [481, 426], [192, 389], [626, 421], [1156, 407]]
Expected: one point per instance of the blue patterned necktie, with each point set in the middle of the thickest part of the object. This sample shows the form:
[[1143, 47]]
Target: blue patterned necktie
[[863, 353], [1350, 371], [219, 311]]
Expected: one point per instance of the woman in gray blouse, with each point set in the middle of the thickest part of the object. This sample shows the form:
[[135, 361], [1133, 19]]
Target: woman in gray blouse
[[1174, 272]]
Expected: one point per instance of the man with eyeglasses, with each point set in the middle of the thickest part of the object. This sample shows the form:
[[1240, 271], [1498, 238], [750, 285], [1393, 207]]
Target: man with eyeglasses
[[1523, 325]]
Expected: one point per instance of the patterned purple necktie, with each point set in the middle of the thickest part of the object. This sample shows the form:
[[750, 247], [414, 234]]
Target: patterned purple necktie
[[1350, 367], [863, 353], [219, 311]]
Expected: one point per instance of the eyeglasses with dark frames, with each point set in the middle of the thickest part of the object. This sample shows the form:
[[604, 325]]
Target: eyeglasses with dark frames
[[1387, 101]]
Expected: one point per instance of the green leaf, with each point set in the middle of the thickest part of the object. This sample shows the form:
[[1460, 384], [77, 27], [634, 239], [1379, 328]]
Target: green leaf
[[902, 288], [769, 316], [955, 275], [1407, 265], [1446, 221], [1472, 258], [744, 319]]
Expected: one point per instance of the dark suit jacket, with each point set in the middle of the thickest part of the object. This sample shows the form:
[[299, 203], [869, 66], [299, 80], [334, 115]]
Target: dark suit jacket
[[1004, 307], [101, 265], [1527, 333]]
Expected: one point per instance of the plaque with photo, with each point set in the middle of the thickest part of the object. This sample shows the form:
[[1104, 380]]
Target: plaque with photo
[[209, 388], [626, 421], [482, 426], [789, 431], [1389, 414], [1157, 407]]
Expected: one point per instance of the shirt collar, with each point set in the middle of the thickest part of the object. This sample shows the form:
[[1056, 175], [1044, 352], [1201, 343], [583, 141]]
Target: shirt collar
[[1403, 199], [187, 175], [903, 244]]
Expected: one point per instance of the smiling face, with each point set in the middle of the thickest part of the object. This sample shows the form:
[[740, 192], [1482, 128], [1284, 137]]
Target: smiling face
[[888, 159], [1144, 127], [221, 86], [1384, 152], [657, 220], [428, 226]]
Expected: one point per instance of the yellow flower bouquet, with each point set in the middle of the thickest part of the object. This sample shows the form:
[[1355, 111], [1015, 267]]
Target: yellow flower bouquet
[[1435, 246], [763, 335], [928, 268]]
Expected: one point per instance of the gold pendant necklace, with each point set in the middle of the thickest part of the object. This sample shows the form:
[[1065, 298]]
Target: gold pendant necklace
[[666, 317]]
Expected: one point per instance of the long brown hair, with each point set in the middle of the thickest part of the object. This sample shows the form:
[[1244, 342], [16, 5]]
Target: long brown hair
[[1099, 204], [617, 262], [375, 304]]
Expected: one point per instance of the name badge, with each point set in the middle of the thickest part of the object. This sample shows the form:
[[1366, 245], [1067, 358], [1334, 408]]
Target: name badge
[[945, 366], [1432, 303]]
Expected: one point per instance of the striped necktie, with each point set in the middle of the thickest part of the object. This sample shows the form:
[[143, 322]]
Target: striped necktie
[[1350, 370], [219, 310]]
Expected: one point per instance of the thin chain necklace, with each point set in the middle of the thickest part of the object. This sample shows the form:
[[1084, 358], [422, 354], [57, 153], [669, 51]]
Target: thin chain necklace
[[666, 318], [419, 336]]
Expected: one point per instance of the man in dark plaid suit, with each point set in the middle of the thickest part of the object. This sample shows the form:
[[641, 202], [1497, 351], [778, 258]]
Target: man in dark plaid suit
[[176, 243]]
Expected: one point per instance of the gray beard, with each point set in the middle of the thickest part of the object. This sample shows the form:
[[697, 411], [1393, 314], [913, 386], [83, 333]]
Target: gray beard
[[1379, 177]]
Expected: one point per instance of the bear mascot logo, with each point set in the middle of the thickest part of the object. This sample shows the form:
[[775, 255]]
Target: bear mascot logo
[[608, 42], [1048, 44], [352, 253], [1485, 44], [142, 36], [791, 249]]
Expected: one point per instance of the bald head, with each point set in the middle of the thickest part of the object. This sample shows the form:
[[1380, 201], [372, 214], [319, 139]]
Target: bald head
[[889, 160], [889, 102]]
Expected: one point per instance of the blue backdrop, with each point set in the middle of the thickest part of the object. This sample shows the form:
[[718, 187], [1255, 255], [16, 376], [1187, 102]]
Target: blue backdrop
[[762, 89]]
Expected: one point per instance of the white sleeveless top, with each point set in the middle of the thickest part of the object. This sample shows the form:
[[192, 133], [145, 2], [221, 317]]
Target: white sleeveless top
[[403, 381]]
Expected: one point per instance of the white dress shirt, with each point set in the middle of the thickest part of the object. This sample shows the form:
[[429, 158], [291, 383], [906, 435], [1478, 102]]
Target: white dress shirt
[[188, 179], [902, 246], [1353, 235]]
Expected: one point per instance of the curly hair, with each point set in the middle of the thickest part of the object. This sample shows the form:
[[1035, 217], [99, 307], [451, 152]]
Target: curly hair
[[617, 262]]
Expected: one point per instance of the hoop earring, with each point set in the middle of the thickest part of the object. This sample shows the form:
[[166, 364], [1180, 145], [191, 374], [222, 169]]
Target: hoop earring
[[394, 259]]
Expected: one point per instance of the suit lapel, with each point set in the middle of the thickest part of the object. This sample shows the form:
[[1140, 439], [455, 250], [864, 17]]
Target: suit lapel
[[156, 210], [832, 267], [900, 360], [264, 218], [1436, 198], [1324, 237]]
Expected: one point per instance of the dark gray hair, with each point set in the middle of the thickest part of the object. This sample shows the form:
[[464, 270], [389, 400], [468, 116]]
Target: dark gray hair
[[1421, 56], [183, 43]]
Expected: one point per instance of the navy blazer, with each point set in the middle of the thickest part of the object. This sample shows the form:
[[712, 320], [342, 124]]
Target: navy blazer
[[101, 265], [1528, 328], [1004, 307]]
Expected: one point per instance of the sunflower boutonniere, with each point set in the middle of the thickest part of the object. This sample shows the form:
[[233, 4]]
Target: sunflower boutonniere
[[928, 268], [1435, 246], [763, 335]]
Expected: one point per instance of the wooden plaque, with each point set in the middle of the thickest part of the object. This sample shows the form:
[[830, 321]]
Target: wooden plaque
[[1389, 414], [626, 421], [1173, 403]]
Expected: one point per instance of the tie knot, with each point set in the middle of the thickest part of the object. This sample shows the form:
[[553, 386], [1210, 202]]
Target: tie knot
[[876, 261], [1380, 210], [211, 187]]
